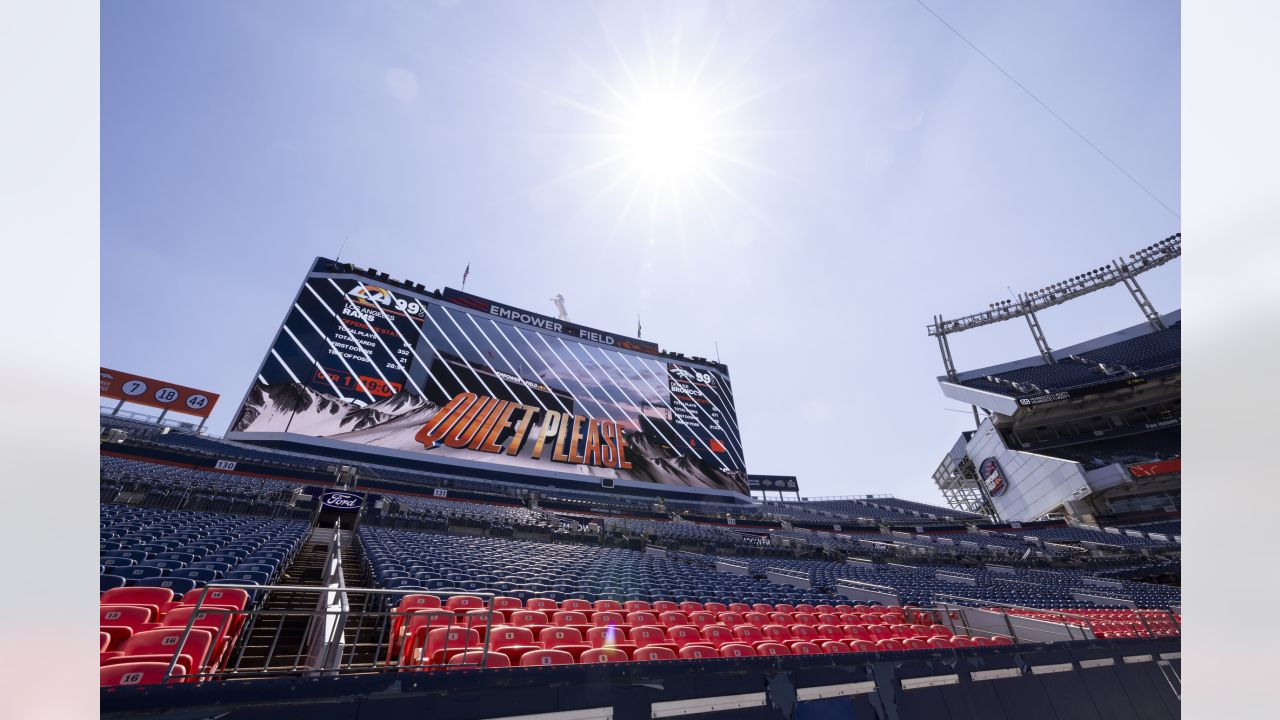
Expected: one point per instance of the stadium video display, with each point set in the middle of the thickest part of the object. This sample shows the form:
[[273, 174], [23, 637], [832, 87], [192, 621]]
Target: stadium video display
[[461, 377]]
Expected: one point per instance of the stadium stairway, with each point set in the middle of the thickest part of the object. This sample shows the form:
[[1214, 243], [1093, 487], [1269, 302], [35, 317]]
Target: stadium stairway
[[277, 640]]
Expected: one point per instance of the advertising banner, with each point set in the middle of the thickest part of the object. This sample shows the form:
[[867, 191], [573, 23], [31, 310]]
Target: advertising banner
[[155, 393], [1161, 467], [366, 361]]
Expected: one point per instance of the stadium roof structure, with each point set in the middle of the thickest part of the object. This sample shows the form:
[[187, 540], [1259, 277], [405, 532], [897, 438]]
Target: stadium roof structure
[[1027, 303]]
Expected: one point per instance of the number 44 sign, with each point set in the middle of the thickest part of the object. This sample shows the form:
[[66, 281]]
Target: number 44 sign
[[156, 393]]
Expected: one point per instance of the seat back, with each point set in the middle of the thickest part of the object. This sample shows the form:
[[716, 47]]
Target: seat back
[[835, 646], [698, 652], [535, 658], [602, 618], [508, 636], [772, 648], [805, 648], [672, 618], [653, 653], [481, 658], [641, 617], [541, 604], [608, 605], [529, 617], [576, 605], [606, 636], [647, 635], [749, 634], [166, 642], [737, 650], [554, 637], [603, 655], [684, 634], [137, 673], [564, 617]]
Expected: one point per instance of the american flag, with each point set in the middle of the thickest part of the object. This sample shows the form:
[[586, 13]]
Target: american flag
[[465, 273]]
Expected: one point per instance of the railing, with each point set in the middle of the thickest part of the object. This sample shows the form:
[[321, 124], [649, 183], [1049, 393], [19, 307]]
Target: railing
[[341, 636], [1026, 624]]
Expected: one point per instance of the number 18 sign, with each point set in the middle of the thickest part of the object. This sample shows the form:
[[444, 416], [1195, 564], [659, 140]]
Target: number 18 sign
[[156, 393]]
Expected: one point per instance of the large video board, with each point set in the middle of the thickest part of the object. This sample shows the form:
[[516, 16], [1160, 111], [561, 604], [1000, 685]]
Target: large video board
[[454, 376]]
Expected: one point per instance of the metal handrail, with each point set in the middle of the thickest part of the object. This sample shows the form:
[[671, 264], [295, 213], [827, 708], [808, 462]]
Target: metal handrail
[[325, 661]]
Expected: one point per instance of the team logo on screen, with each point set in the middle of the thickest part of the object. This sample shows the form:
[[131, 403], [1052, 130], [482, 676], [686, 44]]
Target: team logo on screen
[[379, 298], [491, 425], [992, 477]]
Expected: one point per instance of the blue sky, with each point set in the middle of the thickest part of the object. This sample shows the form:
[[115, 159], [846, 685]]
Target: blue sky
[[856, 168]]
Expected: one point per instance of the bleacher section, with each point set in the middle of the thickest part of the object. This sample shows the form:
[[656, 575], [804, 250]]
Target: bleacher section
[[1153, 352]]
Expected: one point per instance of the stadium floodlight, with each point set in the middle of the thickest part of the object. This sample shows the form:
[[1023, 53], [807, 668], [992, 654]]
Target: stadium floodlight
[[1115, 273]]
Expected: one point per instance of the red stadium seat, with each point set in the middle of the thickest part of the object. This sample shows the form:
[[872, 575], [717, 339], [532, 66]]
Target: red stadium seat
[[224, 624], [879, 632], [820, 609], [749, 634], [690, 606], [835, 646], [762, 608], [698, 652], [428, 646], [828, 619], [151, 598], [961, 642], [805, 608], [777, 633], [683, 635], [832, 632], [730, 619], [863, 646], [418, 623], [603, 655], [567, 639], [915, 643], [940, 631], [938, 642], [784, 608], [889, 644], [603, 618], [902, 631], [661, 606], [411, 603], [570, 618], [805, 648], [979, 641], [104, 641], [511, 641], [772, 648], [542, 605], [216, 596], [717, 635], [672, 618], [137, 673], [701, 618], [715, 607], [737, 650], [640, 618], [1001, 640], [464, 602], [160, 645], [635, 606], [857, 632], [651, 635], [532, 619], [739, 608], [842, 609], [608, 605], [653, 652], [607, 636], [133, 617], [757, 618], [781, 618], [576, 605], [117, 634], [805, 632], [480, 658], [535, 658]]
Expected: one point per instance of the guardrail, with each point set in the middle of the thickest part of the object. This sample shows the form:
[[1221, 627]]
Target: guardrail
[[348, 630]]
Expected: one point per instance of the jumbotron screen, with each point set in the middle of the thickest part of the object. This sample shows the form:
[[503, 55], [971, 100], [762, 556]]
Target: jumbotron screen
[[360, 359]]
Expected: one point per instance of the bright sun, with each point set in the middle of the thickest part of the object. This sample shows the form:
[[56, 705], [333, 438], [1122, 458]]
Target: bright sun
[[668, 137]]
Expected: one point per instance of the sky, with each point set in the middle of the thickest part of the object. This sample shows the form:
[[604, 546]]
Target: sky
[[801, 185]]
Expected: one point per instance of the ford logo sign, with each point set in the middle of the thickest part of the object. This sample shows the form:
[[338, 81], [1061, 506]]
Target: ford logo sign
[[341, 501]]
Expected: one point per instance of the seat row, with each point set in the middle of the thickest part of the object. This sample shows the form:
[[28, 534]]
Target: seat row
[[149, 626]]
